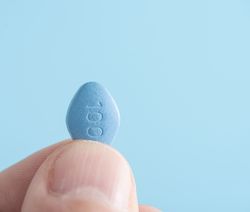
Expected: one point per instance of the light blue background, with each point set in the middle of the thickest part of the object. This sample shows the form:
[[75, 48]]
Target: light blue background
[[179, 70]]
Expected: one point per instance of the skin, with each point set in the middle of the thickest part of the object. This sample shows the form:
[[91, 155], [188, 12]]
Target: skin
[[25, 186]]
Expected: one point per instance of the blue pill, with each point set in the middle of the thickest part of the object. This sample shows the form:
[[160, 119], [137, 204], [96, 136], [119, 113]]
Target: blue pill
[[93, 114]]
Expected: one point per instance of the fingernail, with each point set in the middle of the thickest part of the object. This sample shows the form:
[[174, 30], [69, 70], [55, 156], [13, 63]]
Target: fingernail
[[93, 172]]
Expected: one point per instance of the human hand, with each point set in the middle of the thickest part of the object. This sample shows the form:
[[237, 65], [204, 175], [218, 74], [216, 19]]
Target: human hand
[[70, 176]]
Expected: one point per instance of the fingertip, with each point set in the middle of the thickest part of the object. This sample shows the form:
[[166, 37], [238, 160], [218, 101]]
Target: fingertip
[[89, 172]]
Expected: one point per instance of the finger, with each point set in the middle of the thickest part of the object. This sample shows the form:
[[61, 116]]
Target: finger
[[15, 180], [145, 208], [82, 176]]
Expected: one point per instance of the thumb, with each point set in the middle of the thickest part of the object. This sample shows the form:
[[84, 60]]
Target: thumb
[[82, 176]]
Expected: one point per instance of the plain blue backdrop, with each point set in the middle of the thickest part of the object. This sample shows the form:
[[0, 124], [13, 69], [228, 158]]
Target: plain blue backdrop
[[179, 70]]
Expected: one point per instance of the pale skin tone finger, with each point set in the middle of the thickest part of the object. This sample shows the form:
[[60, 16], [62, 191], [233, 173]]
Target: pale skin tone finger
[[15, 180], [82, 176]]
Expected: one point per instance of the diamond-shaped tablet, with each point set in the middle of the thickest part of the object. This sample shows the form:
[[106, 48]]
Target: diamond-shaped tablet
[[93, 114]]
